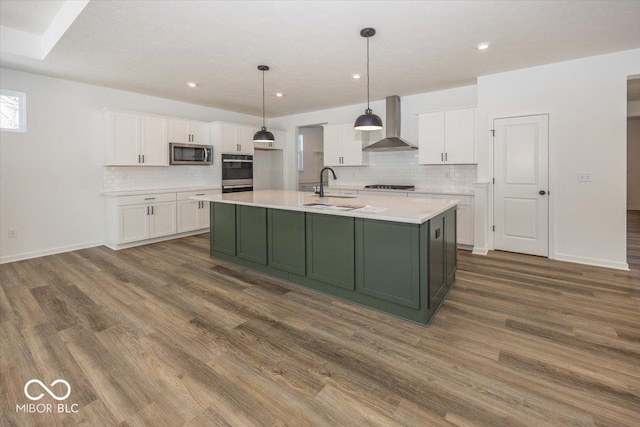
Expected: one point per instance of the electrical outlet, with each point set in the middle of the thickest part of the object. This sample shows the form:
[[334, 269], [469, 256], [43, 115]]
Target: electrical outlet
[[584, 177], [13, 233]]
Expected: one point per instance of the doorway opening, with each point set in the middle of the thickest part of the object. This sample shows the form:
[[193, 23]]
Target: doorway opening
[[633, 166], [310, 156]]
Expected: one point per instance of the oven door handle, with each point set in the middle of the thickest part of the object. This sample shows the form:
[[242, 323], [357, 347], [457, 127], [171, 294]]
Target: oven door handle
[[237, 186], [237, 161]]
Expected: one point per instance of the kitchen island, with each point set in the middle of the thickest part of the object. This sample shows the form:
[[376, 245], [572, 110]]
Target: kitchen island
[[394, 255]]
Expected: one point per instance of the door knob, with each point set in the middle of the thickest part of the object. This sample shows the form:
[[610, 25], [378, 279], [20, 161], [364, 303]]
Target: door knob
[[542, 192]]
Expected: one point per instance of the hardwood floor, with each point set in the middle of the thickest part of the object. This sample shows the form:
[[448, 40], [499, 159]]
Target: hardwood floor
[[163, 335]]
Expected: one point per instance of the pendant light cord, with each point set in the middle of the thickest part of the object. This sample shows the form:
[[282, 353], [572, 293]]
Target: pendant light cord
[[368, 73], [263, 98]]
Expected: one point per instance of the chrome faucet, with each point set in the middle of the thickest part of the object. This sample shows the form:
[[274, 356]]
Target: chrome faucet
[[321, 192]]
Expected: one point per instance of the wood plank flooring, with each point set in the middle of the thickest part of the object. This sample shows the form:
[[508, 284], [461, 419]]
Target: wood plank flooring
[[162, 335]]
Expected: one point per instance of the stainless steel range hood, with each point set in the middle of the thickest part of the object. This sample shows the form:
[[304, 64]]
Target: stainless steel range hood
[[392, 142]]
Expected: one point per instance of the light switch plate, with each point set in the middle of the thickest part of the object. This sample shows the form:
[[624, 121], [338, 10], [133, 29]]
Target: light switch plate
[[584, 177]]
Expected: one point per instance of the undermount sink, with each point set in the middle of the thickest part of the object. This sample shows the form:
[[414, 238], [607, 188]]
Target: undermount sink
[[311, 205], [333, 207]]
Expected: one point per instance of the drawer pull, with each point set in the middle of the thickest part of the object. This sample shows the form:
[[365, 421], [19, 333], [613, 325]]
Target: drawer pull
[[201, 194], [149, 198]]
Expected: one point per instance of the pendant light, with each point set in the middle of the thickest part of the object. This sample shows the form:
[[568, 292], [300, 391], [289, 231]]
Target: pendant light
[[368, 121], [263, 135]]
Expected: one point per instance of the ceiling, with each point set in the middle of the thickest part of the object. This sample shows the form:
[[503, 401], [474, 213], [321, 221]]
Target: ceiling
[[33, 16], [313, 47]]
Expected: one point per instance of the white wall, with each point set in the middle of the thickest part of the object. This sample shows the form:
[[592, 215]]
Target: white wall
[[411, 106], [587, 107], [633, 163], [51, 176], [267, 170]]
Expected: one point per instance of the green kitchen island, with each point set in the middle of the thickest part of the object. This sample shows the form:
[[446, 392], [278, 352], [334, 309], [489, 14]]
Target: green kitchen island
[[393, 254]]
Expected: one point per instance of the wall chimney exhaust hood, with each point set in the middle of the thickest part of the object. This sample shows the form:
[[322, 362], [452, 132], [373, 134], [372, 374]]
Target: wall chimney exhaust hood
[[392, 142]]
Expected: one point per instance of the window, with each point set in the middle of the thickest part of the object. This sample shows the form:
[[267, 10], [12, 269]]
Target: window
[[300, 152], [13, 115]]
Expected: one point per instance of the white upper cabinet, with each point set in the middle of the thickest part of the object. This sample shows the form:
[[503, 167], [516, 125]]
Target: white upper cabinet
[[447, 137], [188, 131], [278, 144], [233, 138], [342, 145], [136, 139], [154, 146], [200, 133]]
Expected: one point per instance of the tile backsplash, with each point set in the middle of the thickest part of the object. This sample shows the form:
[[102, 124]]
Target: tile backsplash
[[120, 178], [401, 167]]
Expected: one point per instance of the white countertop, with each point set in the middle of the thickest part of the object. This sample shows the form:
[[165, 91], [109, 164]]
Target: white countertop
[[409, 210], [416, 191], [156, 191]]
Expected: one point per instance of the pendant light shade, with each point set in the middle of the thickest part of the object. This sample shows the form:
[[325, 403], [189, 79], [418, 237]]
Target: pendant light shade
[[368, 121], [263, 135]]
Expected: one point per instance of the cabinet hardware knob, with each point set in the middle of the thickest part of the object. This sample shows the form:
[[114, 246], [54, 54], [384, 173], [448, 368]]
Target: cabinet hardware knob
[[542, 192]]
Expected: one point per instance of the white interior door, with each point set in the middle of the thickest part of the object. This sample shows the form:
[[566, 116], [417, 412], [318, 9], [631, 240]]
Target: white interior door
[[521, 171]]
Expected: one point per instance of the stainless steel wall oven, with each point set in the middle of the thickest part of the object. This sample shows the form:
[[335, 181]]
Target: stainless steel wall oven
[[237, 173]]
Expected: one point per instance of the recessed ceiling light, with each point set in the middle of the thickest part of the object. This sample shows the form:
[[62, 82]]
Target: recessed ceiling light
[[279, 94], [356, 76], [192, 84], [483, 46]]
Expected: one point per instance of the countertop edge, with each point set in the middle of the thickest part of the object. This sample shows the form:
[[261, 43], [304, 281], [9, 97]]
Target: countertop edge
[[351, 214], [156, 191]]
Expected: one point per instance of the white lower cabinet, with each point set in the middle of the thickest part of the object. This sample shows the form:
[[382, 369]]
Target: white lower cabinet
[[162, 219], [146, 220], [192, 214], [465, 225], [134, 223], [464, 216], [134, 219]]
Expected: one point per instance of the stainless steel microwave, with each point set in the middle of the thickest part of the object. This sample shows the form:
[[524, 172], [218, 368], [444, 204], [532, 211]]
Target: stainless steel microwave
[[190, 154]]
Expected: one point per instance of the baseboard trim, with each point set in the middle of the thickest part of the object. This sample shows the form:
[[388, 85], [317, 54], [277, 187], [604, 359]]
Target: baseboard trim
[[480, 251], [592, 261], [47, 252], [117, 247]]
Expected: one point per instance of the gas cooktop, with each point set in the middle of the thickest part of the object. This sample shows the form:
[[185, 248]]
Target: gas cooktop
[[391, 187]]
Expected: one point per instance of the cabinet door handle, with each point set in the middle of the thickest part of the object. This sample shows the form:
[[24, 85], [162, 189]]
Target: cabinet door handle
[[147, 210], [143, 158], [446, 157], [138, 158], [442, 157], [151, 210]]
